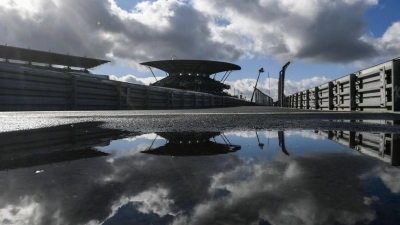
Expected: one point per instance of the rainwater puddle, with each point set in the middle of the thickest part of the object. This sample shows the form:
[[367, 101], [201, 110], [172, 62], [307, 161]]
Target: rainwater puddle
[[85, 174]]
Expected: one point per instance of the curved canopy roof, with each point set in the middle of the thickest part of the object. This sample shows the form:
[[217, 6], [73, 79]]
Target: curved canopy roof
[[29, 55], [194, 66]]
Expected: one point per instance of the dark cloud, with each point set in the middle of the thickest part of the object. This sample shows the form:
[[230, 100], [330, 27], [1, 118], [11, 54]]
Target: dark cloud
[[95, 28], [319, 31]]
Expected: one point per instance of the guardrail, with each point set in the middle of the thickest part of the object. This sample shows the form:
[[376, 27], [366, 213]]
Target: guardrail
[[23, 87], [262, 99], [373, 89]]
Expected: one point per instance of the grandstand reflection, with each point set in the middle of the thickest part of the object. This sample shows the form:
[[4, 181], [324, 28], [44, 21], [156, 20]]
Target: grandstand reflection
[[58, 144], [193, 144]]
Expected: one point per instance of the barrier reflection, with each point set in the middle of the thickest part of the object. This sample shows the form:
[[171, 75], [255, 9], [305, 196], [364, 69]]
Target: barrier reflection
[[193, 144], [57, 144], [383, 146]]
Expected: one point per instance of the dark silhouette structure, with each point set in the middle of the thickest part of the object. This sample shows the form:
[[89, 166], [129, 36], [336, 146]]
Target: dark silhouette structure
[[192, 144], [281, 85], [64, 143], [193, 75]]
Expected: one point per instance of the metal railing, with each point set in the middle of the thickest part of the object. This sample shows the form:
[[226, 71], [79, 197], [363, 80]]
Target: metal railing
[[23, 87], [373, 89], [261, 98]]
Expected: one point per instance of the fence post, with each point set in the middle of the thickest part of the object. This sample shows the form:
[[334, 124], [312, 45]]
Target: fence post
[[128, 93], [147, 103], [119, 96], [352, 94], [168, 103], [183, 100], [194, 101], [307, 99], [330, 95], [301, 100], [396, 85], [316, 98], [73, 93]]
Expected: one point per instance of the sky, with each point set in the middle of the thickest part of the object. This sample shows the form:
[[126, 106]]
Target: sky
[[323, 39]]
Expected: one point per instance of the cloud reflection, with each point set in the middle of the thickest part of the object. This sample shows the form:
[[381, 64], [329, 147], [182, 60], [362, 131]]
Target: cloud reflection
[[314, 188]]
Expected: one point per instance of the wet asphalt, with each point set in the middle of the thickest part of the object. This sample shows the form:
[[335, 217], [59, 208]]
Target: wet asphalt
[[215, 119]]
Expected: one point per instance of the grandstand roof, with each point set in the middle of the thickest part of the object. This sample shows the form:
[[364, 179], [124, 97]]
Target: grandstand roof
[[194, 66], [35, 56]]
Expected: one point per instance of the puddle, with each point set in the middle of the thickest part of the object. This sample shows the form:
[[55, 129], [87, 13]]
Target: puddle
[[82, 173]]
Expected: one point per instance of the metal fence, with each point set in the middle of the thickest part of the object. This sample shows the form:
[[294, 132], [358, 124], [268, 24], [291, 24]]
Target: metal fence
[[261, 98], [24, 87], [383, 146], [373, 89]]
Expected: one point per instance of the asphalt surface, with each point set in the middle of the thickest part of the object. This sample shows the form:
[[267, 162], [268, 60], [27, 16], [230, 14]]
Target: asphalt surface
[[215, 119]]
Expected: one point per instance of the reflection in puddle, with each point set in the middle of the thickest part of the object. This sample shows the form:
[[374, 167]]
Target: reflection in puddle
[[53, 145], [383, 146], [193, 144], [238, 177]]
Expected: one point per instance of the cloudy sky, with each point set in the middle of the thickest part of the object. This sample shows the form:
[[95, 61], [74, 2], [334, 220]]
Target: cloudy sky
[[323, 39]]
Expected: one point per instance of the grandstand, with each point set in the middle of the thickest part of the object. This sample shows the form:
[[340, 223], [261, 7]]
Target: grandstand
[[193, 75], [48, 60]]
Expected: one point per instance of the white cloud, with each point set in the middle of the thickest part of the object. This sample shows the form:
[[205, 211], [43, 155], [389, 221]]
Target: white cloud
[[135, 80], [150, 201], [390, 41], [292, 203], [26, 212], [270, 85], [389, 175]]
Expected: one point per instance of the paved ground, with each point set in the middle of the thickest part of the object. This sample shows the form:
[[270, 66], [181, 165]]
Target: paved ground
[[221, 119]]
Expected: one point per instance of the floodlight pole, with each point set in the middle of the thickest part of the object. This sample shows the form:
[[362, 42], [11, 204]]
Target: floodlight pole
[[259, 72]]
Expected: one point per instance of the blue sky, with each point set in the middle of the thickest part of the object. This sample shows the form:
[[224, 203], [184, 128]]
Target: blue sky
[[323, 39]]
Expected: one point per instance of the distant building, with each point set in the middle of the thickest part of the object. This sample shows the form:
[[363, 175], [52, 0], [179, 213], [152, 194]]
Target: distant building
[[193, 75]]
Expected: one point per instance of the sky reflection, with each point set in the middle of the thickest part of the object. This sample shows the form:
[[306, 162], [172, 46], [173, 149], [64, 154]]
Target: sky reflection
[[321, 181]]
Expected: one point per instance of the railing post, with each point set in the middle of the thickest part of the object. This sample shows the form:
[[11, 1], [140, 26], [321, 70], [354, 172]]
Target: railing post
[[147, 97], [194, 100], [73, 93], [119, 96], [168, 105], [316, 98], [128, 96], [330, 95], [307, 99], [396, 85], [182, 100], [352, 94], [301, 100]]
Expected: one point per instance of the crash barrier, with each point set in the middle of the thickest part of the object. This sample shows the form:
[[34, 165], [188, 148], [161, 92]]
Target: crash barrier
[[383, 146], [373, 89], [24, 87], [262, 99]]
